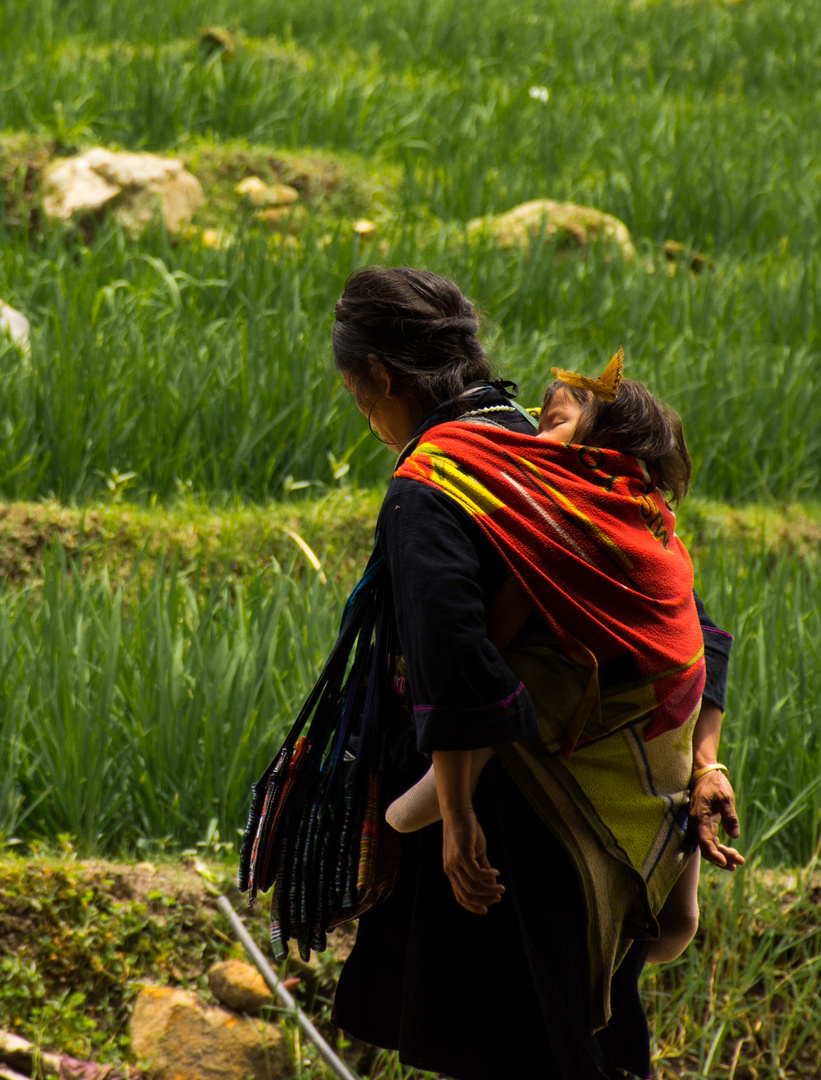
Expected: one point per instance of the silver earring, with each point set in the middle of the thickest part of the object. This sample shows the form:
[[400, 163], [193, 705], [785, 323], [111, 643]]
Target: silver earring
[[375, 434]]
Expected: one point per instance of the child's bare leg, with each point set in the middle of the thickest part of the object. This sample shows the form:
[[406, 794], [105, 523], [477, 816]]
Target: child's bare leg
[[678, 919], [419, 806]]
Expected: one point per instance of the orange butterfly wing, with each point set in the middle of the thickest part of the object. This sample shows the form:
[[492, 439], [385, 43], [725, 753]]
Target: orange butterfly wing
[[605, 387]]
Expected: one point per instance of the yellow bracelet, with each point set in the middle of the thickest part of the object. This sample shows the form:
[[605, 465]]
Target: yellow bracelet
[[697, 775]]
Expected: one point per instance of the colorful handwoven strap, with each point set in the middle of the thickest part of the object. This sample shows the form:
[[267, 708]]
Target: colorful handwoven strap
[[312, 829]]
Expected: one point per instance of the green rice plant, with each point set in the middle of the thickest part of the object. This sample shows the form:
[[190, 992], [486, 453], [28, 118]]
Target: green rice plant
[[694, 121], [741, 1000], [11, 753], [211, 371], [771, 738], [141, 714], [148, 717]]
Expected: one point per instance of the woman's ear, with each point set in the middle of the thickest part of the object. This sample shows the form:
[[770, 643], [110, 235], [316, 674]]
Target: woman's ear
[[382, 378]]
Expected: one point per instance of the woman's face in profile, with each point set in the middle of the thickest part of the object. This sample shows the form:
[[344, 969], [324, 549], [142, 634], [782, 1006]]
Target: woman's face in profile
[[392, 416]]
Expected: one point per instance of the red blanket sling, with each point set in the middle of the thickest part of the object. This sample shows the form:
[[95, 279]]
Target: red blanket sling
[[592, 541]]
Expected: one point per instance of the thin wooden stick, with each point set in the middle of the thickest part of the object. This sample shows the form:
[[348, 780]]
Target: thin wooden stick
[[279, 991]]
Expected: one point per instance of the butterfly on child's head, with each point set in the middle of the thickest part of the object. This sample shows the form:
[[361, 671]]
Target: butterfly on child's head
[[605, 387]]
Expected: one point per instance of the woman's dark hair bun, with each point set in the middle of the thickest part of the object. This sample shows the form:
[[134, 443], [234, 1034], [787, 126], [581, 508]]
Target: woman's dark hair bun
[[416, 323]]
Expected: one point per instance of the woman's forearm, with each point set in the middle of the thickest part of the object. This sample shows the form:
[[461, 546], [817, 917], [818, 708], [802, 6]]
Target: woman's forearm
[[464, 848], [452, 771], [706, 735]]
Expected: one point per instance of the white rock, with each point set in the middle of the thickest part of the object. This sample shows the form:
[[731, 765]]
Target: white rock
[[132, 185], [16, 325]]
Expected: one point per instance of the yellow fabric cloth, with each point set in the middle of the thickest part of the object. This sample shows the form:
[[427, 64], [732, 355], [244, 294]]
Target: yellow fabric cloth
[[618, 805]]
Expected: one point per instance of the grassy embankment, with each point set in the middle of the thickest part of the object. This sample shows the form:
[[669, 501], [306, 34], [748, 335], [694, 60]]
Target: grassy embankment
[[180, 679], [193, 380], [146, 630]]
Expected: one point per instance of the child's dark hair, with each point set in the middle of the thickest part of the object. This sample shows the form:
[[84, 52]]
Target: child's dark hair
[[635, 423]]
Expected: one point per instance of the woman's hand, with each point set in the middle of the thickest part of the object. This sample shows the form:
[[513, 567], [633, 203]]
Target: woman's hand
[[464, 853], [712, 801], [711, 796], [464, 848]]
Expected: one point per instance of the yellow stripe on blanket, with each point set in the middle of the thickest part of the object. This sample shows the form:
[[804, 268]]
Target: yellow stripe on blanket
[[465, 489]]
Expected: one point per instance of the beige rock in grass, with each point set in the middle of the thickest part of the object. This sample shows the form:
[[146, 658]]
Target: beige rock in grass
[[258, 193], [574, 226], [282, 195], [131, 186], [278, 218], [183, 1040], [239, 986], [251, 188]]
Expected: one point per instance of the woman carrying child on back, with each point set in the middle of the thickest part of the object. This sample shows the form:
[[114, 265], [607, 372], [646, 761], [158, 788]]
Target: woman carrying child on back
[[620, 414], [575, 833]]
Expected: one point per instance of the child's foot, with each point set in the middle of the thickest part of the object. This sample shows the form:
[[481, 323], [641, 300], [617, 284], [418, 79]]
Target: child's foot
[[418, 807]]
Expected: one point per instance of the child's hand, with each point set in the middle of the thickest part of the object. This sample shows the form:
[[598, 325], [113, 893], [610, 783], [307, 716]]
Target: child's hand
[[712, 801]]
